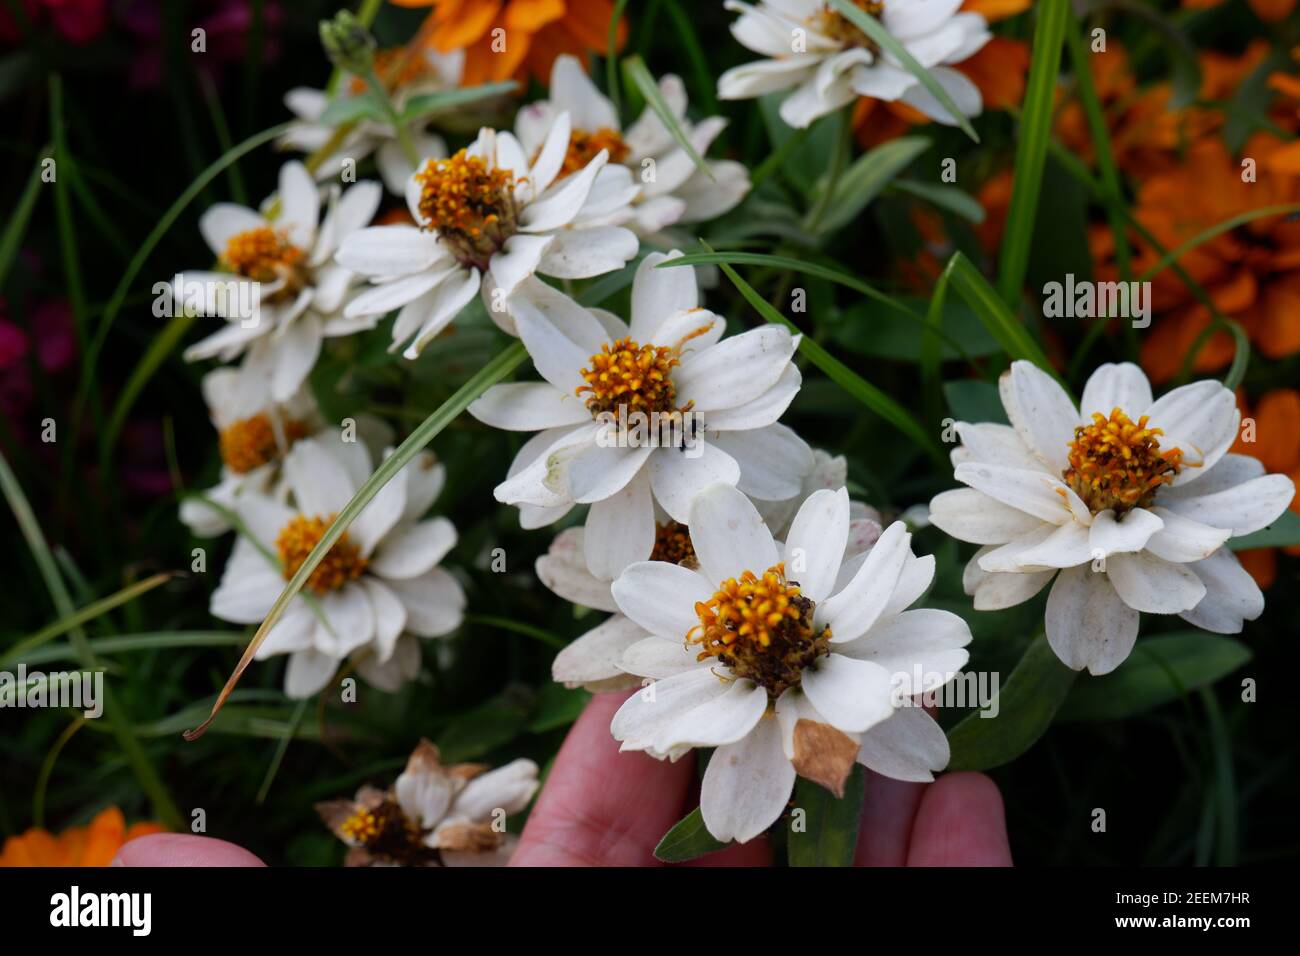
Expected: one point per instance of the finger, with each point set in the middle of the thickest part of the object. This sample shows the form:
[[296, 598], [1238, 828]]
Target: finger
[[888, 812], [601, 807], [182, 849], [960, 822]]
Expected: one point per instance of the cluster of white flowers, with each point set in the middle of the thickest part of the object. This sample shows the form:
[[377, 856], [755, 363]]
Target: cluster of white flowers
[[766, 614]]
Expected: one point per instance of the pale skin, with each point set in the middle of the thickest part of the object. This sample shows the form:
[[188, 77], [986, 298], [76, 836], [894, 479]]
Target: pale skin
[[604, 808]]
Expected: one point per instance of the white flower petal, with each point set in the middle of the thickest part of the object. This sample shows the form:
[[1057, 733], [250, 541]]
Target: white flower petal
[[582, 253], [970, 515], [1127, 534], [595, 657], [851, 612], [773, 460], [1087, 623], [747, 785], [1033, 492], [926, 640], [434, 602], [412, 549], [225, 220], [563, 569], [1115, 385], [621, 529], [389, 251], [1147, 583], [1182, 540], [1231, 595], [1201, 419], [528, 407], [1040, 411], [814, 548], [910, 745], [729, 535], [853, 695], [308, 673], [661, 597], [677, 477], [658, 294], [1245, 508]]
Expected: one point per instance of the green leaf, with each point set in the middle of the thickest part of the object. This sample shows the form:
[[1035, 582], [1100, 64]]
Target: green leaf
[[491, 373], [1160, 669], [971, 400], [107, 646], [832, 822], [83, 615], [1282, 533], [997, 318], [649, 89], [349, 109], [869, 329], [688, 839], [16, 227], [1026, 705], [483, 728], [557, 706], [1031, 153], [948, 198], [866, 177], [419, 107], [841, 374], [874, 29]]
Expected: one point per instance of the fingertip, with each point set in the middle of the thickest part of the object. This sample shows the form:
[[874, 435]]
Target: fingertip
[[961, 821], [182, 849]]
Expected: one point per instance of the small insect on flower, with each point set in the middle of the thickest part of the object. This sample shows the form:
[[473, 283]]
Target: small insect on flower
[[434, 815], [790, 659], [1131, 500]]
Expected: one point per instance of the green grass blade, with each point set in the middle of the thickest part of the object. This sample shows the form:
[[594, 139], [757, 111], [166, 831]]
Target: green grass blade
[[839, 373], [491, 373], [118, 721], [645, 83], [159, 348], [687, 840], [874, 29], [948, 198], [63, 210], [16, 227], [611, 58], [866, 178], [125, 643], [84, 615], [831, 834], [1218, 229], [997, 318], [421, 107], [1031, 153], [91, 356]]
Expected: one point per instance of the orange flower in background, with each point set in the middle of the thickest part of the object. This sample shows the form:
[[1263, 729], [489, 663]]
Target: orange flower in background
[[999, 69], [1277, 445], [1252, 272], [1147, 133], [516, 38], [92, 845], [1270, 10]]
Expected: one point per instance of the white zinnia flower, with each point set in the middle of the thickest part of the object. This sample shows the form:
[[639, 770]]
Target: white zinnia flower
[[1131, 500], [829, 61], [488, 220], [593, 660], [433, 814], [788, 659], [254, 434], [427, 72], [379, 587], [289, 260], [672, 188], [716, 403]]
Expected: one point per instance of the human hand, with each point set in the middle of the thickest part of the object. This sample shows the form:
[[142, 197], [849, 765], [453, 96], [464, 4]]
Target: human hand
[[601, 807]]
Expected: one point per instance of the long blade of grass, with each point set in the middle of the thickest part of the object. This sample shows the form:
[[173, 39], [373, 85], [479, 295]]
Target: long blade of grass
[[63, 210], [160, 346], [997, 318], [1031, 153], [864, 180], [1218, 229], [611, 58], [84, 615], [16, 227], [118, 721], [839, 373], [645, 83], [874, 29], [491, 373], [108, 646], [91, 355]]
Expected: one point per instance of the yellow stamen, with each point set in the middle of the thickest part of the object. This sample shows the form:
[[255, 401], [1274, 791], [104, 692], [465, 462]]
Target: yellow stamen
[[251, 442], [1118, 464], [343, 563], [264, 255], [584, 147], [633, 377], [761, 628], [673, 544], [470, 206], [829, 22]]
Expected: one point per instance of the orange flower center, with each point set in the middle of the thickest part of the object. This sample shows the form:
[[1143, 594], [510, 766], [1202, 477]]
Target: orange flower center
[[632, 377], [829, 22], [1118, 464], [584, 147], [251, 442], [266, 255], [761, 628], [470, 206], [343, 563], [673, 544]]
